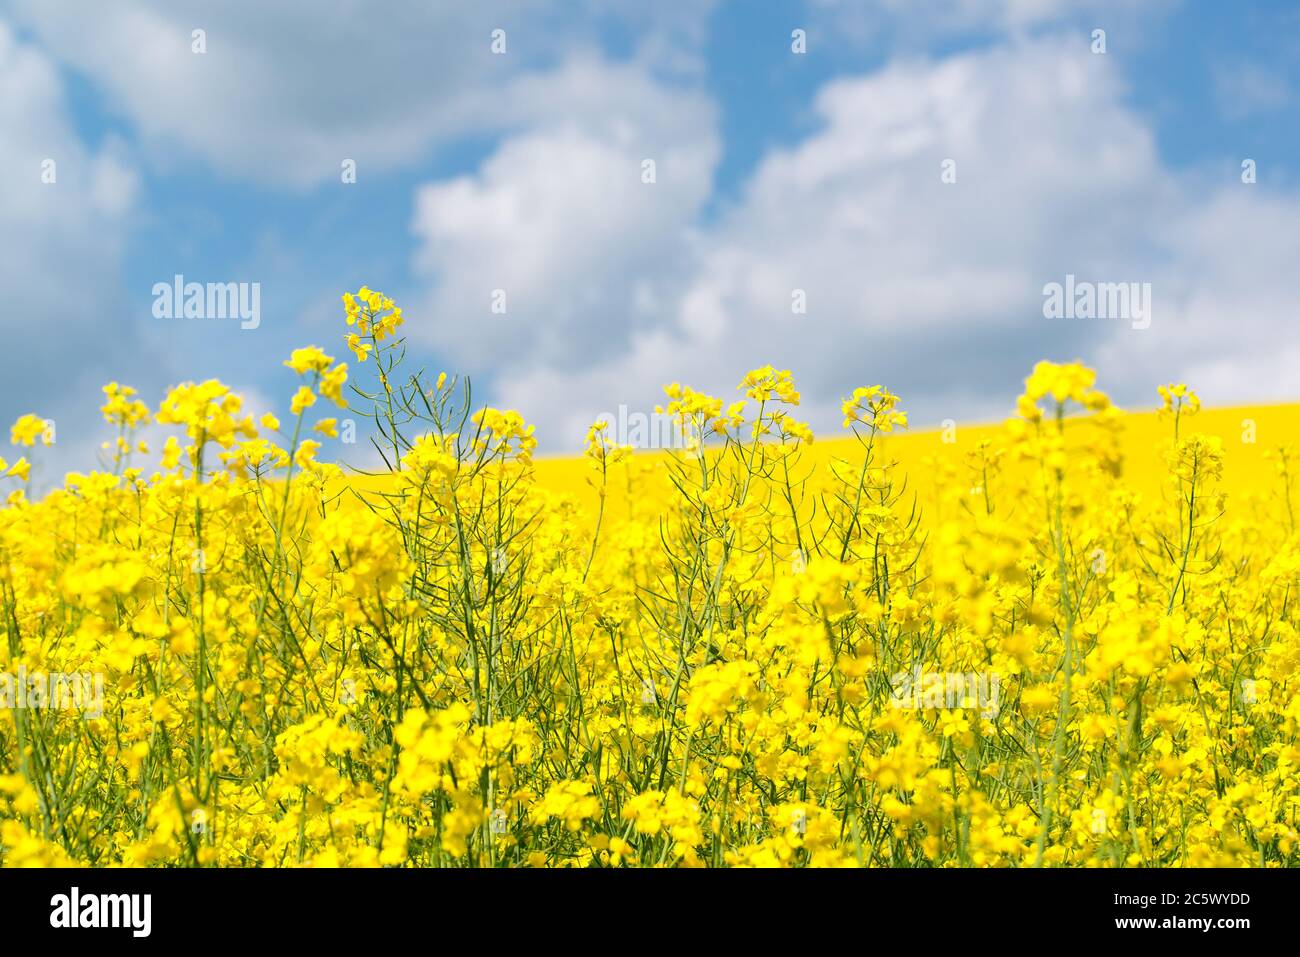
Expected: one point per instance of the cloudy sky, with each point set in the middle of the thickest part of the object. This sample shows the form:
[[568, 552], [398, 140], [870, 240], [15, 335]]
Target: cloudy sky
[[779, 177]]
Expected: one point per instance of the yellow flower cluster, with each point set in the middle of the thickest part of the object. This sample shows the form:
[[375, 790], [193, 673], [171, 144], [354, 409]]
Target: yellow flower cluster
[[375, 317], [731, 655]]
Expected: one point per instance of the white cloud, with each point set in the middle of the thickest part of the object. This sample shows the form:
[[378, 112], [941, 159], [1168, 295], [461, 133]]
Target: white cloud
[[283, 94], [57, 195], [560, 219], [61, 244], [934, 289], [1225, 309]]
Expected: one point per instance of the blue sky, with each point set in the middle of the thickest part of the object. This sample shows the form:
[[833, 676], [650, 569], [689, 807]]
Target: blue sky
[[775, 171]]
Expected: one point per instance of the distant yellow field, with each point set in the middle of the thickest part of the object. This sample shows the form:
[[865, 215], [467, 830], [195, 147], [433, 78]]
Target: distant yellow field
[[1247, 432]]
